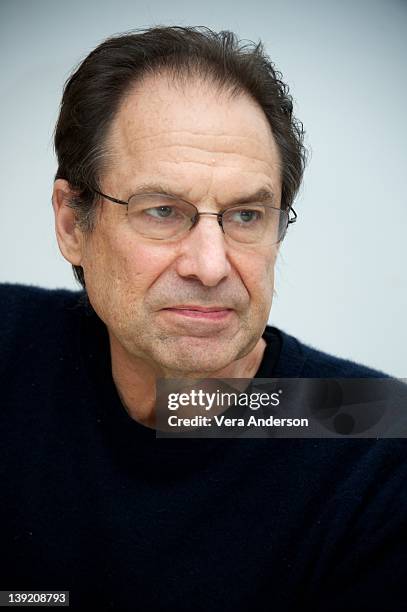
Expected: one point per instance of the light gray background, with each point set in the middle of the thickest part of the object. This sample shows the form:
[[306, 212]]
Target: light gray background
[[341, 282]]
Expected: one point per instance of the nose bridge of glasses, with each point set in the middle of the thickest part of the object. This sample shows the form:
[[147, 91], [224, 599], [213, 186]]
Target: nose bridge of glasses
[[218, 215]]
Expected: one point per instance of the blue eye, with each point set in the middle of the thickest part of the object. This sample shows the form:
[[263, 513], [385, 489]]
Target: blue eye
[[246, 216], [160, 212]]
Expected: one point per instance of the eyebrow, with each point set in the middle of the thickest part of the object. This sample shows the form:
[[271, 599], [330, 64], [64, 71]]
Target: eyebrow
[[261, 195]]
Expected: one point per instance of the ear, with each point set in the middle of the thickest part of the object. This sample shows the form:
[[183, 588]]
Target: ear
[[69, 236]]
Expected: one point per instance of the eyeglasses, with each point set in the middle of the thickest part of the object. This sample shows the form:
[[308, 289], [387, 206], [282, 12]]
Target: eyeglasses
[[166, 217]]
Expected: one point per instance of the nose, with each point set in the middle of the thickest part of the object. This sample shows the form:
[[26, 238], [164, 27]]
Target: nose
[[203, 253]]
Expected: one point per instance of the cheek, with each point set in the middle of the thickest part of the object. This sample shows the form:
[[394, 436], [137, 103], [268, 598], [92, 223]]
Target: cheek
[[257, 272], [259, 281], [120, 269], [139, 265]]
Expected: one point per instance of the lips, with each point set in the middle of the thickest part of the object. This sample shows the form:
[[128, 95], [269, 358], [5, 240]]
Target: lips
[[198, 308], [211, 313]]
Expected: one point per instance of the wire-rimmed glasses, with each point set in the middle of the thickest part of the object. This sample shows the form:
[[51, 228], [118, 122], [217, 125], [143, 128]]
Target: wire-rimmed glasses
[[161, 216]]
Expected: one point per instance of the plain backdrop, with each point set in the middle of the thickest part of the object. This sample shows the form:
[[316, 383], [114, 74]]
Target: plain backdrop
[[341, 281]]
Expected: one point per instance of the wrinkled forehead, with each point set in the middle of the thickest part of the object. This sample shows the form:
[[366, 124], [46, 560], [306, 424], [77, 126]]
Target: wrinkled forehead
[[168, 129], [158, 110]]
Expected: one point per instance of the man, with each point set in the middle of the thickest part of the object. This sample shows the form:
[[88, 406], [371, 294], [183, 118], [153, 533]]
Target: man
[[179, 160]]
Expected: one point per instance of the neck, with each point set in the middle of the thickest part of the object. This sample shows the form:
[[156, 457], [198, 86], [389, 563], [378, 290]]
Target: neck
[[135, 379]]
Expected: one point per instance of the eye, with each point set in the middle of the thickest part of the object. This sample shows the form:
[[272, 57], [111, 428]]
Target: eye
[[162, 212], [246, 215]]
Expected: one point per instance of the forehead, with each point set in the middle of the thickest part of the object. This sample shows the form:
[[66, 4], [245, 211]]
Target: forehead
[[193, 136]]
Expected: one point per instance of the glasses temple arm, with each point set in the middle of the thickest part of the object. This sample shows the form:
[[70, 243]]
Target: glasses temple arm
[[293, 219], [110, 197]]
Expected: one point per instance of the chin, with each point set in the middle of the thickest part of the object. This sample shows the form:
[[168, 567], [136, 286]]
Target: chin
[[197, 357]]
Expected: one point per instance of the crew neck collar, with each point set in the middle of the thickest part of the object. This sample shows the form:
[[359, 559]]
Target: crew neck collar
[[281, 358]]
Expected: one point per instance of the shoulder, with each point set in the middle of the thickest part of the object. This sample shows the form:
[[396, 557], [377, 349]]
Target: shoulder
[[27, 301], [17, 295], [321, 364], [303, 360], [27, 311]]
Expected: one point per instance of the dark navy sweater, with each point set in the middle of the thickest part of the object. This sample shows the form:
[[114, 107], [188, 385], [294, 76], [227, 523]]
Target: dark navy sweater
[[93, 503]]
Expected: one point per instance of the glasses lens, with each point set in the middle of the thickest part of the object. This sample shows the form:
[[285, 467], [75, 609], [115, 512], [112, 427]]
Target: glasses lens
[[160, 217], [255, 224]]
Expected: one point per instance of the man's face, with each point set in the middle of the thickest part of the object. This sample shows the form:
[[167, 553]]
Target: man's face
[[211, 150]]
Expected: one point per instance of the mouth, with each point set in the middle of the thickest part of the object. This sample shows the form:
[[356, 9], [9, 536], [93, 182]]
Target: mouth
[[212, 313]]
